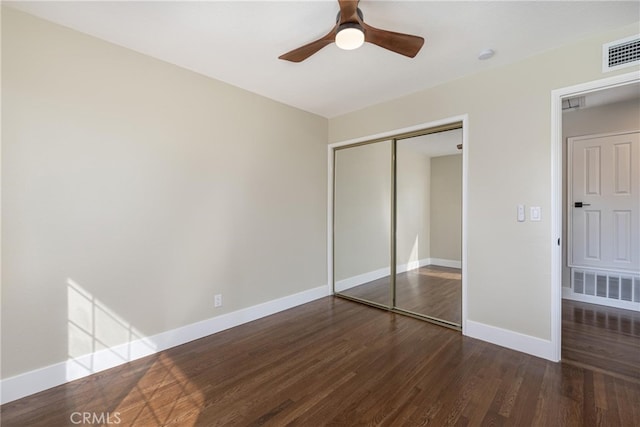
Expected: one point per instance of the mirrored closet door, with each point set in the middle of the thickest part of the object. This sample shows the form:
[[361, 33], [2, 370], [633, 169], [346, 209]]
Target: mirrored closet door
[[362, 222], [428, 216], [397, 224]]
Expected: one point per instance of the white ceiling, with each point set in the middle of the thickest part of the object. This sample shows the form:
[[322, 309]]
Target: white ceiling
[[613, 95], [435, 144], [239, 41]]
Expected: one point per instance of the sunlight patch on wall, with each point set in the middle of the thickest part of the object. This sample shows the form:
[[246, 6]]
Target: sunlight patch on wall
[[414, 256], [98, 338]]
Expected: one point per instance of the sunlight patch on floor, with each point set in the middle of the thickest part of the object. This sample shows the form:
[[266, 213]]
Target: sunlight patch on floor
[[162, 396], [98, 338], [441, 274]]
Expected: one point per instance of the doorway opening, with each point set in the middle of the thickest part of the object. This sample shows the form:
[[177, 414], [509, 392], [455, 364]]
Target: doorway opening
[[595, 270]]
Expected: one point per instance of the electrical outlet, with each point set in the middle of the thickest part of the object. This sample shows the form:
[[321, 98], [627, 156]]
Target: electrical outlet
[[217, 300]]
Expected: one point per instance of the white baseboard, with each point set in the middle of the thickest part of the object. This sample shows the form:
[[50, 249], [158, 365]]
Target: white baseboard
[[510, 339], [412, 265], [360, 279], [452, 263], [567, 293], [352, 282], [50, 376]]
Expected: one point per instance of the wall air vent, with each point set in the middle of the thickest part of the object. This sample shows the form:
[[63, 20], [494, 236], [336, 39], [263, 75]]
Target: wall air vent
[[571, 104], [607, 288], [621, 53]]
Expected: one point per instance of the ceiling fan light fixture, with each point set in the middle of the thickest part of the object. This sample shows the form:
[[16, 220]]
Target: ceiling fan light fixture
[[350, 32], [350, 36]]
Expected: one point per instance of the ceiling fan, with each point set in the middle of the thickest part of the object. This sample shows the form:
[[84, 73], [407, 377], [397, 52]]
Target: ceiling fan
[[350, 32]]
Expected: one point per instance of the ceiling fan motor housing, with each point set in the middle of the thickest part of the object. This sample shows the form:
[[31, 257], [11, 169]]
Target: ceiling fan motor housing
[[358, 11]]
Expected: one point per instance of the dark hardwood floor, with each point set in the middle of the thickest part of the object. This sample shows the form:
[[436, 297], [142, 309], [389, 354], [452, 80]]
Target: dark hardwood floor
[[336, 362], [432, 290], [604, 338]]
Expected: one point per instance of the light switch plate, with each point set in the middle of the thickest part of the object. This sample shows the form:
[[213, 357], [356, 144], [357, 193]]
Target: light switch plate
[[520, 213], [535, 213]]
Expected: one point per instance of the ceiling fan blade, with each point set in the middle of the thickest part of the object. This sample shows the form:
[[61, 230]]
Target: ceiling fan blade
[[404, 44], [303, 52], [348, 10]]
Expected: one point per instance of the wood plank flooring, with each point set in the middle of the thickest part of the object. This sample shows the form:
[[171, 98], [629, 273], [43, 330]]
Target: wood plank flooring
[[604, 338], [336, 362], [432, 290]]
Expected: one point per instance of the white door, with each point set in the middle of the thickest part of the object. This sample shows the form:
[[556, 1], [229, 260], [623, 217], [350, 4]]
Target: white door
[[604, 201]]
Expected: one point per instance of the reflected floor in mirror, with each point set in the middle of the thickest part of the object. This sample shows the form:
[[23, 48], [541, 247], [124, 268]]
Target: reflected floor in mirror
[[431, 290]]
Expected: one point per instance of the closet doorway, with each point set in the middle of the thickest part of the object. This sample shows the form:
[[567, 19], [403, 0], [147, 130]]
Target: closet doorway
[[397, 223]]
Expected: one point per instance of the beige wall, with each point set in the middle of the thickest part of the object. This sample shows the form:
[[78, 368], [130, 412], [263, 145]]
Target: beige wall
[[150, 187], [153, 188], [621, 116], [446, 207], [412, 205], [509, 153]]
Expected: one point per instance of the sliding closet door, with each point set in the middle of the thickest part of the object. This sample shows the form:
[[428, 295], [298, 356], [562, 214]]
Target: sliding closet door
[[362, 222], [428, 226]]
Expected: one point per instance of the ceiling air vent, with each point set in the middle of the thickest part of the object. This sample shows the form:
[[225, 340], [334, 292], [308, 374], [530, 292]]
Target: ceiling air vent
[[621, 53]]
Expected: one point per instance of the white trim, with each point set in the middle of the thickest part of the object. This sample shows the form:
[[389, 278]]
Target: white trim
[[330, 276], [510, 339], [412, 265], [465, 205], [451, 263], [620, 270], [556, 191], [567, 293], [465, 216], [353, 281], [392, 133], [50, 376], [360, 279]]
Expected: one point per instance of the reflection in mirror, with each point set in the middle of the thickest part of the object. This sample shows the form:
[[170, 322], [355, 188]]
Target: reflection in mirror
[[429, 225], [362, 222]]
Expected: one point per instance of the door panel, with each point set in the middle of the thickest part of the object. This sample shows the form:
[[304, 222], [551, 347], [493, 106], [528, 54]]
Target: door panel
[[592, 235], [622, 236], [428, 279], [362, 222], [592, 171], [622, 161], [605, 206]]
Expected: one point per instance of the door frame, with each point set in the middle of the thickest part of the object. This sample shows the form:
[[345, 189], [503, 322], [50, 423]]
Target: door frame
[[464, 119], [557, 95]]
